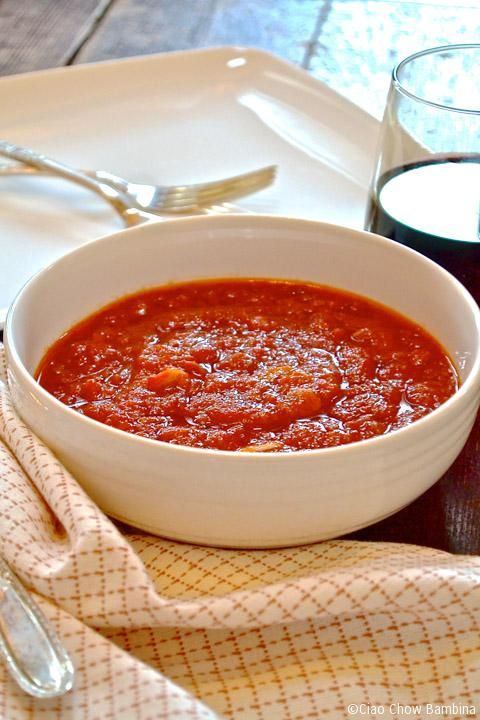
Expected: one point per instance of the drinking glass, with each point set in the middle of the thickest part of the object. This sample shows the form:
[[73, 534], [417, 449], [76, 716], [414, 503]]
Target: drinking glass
[[425, 191]]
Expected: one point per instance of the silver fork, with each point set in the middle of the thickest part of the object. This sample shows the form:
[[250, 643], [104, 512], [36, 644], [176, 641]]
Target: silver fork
[[124, 196]]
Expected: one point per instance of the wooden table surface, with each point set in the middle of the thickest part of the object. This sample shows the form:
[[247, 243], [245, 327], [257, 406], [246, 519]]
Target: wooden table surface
[[351, 45]]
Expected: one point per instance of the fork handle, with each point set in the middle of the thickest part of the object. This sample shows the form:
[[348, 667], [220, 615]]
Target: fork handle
[[34, 159], [33, 654]]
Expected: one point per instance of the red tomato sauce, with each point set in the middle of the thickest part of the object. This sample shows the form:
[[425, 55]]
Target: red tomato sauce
[[253, 365]]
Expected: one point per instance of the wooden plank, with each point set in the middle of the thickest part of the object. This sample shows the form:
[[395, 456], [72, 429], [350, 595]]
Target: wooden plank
[[285, 28], [360, 42], [133, 27], [137, 27], [39, 34]]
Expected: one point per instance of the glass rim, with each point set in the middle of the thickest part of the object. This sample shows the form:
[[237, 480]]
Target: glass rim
[[397, 83]]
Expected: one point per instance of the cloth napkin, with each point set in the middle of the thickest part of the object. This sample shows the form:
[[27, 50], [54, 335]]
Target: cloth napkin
[[159, 629]]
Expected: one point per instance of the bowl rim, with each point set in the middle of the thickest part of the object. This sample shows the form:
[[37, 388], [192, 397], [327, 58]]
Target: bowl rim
[[465, 389]]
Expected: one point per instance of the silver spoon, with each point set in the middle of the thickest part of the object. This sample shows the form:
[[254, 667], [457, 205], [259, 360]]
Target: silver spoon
[[33, 653], [117, 200]]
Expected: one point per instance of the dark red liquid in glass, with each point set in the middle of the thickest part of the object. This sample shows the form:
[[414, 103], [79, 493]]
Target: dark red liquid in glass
[[460, 257]]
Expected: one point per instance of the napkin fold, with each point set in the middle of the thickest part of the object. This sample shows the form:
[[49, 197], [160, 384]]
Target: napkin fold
[[159, 629]]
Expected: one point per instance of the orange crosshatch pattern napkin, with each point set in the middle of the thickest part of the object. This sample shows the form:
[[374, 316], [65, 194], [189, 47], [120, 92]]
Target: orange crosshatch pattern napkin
[[159, 629]]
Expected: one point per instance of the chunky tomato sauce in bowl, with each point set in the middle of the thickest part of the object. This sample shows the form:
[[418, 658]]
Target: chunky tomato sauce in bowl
[[244, 380], [249, 365]]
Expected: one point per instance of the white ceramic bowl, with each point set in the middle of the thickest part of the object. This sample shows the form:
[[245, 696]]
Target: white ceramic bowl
[[245, 499]]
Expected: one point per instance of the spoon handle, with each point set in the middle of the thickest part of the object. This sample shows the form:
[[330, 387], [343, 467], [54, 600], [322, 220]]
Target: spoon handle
[[37, 160], [32, 651]]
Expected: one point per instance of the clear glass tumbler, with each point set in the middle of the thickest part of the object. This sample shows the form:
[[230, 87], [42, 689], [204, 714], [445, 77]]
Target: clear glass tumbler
[[426, 187]]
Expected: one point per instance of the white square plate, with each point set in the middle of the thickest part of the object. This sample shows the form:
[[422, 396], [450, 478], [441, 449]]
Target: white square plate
[[175, 118]]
